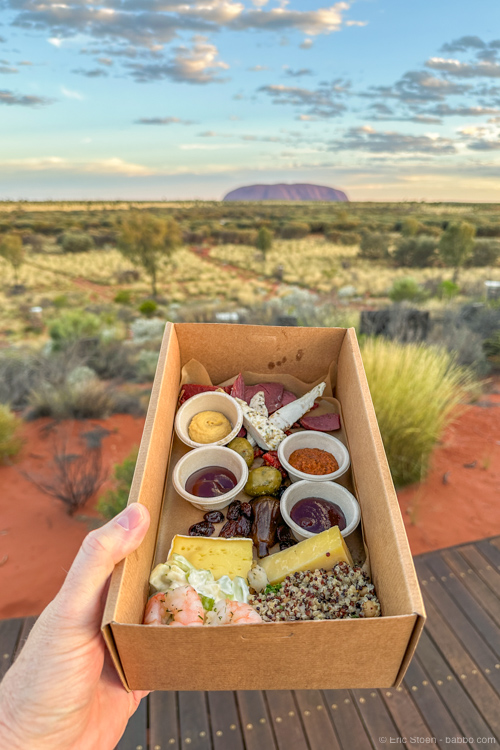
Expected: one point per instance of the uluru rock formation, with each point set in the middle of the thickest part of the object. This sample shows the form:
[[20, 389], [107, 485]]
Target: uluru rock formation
[[283, 192]]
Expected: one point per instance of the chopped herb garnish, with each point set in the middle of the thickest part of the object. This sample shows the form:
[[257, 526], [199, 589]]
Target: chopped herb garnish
[[272, 588]]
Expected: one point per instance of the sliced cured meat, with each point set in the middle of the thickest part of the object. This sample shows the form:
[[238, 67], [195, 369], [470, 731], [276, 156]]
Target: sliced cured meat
[[242, 433], [287, 398], [323, 423], [191, 389], [238, 388], [273, 394]]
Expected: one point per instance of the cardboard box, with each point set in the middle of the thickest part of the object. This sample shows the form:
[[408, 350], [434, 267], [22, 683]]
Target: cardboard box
[[354, 653]]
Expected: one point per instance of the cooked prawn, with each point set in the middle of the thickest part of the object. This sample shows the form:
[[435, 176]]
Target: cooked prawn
[[229, 612], [156, 611], [178, 607]]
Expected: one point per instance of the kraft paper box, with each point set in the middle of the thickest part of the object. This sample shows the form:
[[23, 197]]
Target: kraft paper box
[[352, 653]]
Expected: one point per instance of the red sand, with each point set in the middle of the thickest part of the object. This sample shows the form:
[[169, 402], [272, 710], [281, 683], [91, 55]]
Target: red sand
[[456, 503], [38, 540]]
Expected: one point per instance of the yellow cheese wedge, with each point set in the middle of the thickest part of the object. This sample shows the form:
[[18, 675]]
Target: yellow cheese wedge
[[321, 551], [224, 557]]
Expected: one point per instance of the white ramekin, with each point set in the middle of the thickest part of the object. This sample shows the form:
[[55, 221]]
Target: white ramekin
[[335, 493], [210, 455], [313, 439], [209, 401]]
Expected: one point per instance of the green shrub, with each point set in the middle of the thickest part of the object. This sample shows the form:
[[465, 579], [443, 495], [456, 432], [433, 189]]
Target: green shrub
[[123, 297], [448, 289], [456, 245], [264, 240], [77, 242], [73, 325], [343, 238], [148, 308], [374, 246], [416, 391], [147, 362], [60, 301], [88, 400], [491, 348], [484, 253], [114, 501], [295, 230], [10, 441], [406, 290], [416, 252]]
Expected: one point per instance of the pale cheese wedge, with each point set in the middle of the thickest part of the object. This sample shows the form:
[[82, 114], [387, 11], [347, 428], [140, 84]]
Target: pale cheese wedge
[[321, 551], [224, 557]]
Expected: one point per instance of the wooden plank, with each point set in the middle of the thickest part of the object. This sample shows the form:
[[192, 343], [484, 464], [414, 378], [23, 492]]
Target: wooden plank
[[135, 735], [482, 567], [465, 669], [490, 551], [226, 729], [316, 718], [468, 604], [347, 721], [255, 721], [193, 720], [405, 713], [10, 631], [163, 721], [26, 629], [471, 640], [479, 590], [465, 713], [376, 717], [286, 720], [426, 697]]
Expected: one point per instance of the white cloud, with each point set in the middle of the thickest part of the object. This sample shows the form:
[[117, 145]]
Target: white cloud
[[69, 94], [356, 23], [112, 165], [55, 41], [482, 69]]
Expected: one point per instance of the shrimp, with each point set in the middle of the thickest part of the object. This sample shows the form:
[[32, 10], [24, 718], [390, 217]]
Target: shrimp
[[185, 606], [229, 612], [156, 610], [178, 607]]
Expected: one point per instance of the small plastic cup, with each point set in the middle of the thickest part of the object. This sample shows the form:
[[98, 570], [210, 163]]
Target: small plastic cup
[[329, 491], [201, 458], [313, 439], [210, 401]]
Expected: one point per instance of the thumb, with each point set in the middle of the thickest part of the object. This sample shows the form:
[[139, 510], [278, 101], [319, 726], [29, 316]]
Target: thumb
[[80, 598]]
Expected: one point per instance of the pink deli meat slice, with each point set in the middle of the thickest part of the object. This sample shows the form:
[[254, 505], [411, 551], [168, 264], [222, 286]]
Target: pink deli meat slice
[[273, 394], [238, 388], [288, 397], [191, 389], [323, 423]]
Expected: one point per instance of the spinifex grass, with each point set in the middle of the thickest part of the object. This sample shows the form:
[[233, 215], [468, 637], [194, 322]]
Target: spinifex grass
[[416, 391]]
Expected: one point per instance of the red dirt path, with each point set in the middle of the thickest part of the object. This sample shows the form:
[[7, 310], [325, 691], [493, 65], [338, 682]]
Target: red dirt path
[[38, 540]]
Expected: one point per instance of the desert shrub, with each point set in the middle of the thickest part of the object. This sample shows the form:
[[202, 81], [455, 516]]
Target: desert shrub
[[128, 276], [491, 347], [73, 477], [235, 236], [88, 400], [73, 325], [12, 250], [146, 365], [406, 290], [344, 225], [343, 238], [374, 246], [10, 441], [410, 227], [488, 230], [451, 333], [19, 371], [484, 253], [416, 391], [264, 240], [123, 297], [416, 252], [77, 242], [60, 301], [112, 360], [295, 230], [114, 501], [456, 245], [147, 330], [148, 308], [80, 375], [448, 289]]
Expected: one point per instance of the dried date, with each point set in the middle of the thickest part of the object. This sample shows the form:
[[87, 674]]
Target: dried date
[[214, 516], [234, 511], [203, 528]]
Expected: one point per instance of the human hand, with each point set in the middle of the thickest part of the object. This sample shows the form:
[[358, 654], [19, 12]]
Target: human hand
[[63, 692]]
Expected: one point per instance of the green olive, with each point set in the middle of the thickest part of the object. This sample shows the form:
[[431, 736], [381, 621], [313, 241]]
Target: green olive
[[243, 448], [263, 481]]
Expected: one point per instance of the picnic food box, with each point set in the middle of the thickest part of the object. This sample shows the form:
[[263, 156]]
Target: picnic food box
[[344, 653]]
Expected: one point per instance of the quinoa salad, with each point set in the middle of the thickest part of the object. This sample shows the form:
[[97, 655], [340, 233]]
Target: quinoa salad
[[341, 593]]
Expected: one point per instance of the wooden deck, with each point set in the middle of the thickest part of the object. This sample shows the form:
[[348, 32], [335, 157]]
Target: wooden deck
[[451, 690]]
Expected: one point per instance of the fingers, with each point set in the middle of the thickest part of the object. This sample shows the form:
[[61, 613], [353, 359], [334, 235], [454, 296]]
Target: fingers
[[80, 598]]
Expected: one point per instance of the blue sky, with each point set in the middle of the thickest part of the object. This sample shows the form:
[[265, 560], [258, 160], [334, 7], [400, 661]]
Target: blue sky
[[152, 99]]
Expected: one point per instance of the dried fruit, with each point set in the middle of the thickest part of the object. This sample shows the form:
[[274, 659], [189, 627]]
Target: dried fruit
[[203, 528], [214, 516]]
